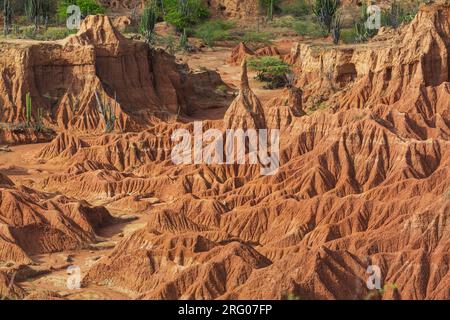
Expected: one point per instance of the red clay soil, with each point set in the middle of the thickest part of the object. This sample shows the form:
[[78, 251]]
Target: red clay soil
[[363, 178]]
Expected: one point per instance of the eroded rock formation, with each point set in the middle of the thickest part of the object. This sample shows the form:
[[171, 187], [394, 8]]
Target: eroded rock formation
[[136, 82], [246, 110], [363, 181], [33, 222]]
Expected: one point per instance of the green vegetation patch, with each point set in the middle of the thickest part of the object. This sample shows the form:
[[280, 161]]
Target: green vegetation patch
[[212, 31], [270, 69]]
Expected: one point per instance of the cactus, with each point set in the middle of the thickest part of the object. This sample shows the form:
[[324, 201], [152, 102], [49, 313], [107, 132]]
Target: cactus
[[38, 125], [45, 11], [28, 108], [32, 9], [271, 7], [40, 116], [394, 15], [107, 111], [7, 16], [325, 10], [184, 40], [336, 28], [148, 21]]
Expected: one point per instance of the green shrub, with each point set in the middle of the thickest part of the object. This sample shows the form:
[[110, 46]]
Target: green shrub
[[348, 35], [168, 43], [87, 7], [299, 8], [222, 89], [56, 33], [254, 38], [213, 31], [269, 69], [284, 22], [319, 106], [29, 33], [131, 28], [183, 13], [309, 28], [398, 13]]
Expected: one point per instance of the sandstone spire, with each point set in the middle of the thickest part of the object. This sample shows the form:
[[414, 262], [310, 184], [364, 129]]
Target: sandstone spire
[[246, 110]]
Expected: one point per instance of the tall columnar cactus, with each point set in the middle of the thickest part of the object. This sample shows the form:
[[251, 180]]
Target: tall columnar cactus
[[7, 16], [107, 111], [325, 10], [267, 8], [148, 22], [33, 9], [184, 40], [44, 11], [394, 13], [28, 108], [270, 11], [40, 116], [336, 28]]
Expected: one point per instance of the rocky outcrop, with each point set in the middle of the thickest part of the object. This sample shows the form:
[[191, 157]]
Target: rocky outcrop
[[267, 51], [246, 110], [8, 289], [363, 182], [281, 111], [33, 222], [243, 10], [196, 268], [240, 53], [380, 72], [137, 82]]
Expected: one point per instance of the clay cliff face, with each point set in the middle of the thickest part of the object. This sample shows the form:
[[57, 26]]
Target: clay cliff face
[[234, 9], [382, 72], [62, 78], [363, 182]]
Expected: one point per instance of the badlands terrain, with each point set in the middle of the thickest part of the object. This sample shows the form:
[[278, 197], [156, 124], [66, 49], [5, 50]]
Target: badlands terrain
[[363, 181]]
